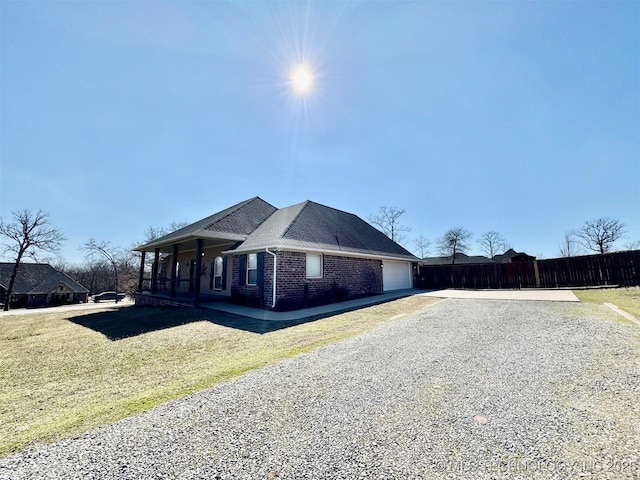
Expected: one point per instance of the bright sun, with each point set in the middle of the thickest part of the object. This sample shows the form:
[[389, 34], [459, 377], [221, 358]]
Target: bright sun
[[301, 79]]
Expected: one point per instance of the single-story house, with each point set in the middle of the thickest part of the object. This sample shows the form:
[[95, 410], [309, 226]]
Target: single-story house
[[256, 254], [39, 285], [461, 259], [510, 256]]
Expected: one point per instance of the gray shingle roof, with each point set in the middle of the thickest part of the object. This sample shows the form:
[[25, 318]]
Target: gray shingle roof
[[255, 225], [29, 275], [461, 259], [36, 278], [510, 255], [312, 226], [233, 223], [272, 229], [54, 281]]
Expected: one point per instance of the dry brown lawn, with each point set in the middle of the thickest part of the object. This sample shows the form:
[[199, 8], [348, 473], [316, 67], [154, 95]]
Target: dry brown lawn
[[64, 373], [627, 299]]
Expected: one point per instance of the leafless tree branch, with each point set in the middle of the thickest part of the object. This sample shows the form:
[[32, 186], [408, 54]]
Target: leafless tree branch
[[454, 242], [599, 235], [388, 221], [491, 243], [422, 245]]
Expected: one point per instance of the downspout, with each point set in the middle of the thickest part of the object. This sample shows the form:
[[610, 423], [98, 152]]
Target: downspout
[[275, 273]]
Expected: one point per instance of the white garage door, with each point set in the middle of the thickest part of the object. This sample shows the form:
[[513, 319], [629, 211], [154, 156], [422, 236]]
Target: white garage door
[[396, 275]]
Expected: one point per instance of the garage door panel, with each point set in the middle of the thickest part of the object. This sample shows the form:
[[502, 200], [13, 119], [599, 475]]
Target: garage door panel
[[396, 275]]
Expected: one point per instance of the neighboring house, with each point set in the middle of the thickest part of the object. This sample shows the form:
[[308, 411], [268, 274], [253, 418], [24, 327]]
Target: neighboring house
[[461, 259], [509, 256], [283, 259], [39, 285]]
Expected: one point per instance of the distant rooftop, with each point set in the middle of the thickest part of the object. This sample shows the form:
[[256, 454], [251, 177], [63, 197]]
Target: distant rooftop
[[462, 259]]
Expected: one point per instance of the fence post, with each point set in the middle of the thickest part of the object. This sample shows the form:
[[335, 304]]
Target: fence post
[[536, 273]]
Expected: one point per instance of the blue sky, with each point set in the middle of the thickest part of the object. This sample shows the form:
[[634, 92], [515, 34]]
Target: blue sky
[[519, 117]]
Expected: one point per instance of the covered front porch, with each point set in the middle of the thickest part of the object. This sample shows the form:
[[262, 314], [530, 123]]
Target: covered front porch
[[186, 269]]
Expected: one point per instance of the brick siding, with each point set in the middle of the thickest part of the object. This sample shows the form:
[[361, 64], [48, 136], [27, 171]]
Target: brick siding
[[252, 295], [342, 278]]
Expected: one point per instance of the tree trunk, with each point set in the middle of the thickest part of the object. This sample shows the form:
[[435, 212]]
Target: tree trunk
[[12, 280]]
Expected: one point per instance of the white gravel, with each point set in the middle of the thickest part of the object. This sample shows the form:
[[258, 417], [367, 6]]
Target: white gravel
[[466, 389]]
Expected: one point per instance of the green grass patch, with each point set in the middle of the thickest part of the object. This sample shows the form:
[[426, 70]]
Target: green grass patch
[[64, 373], [627, 299]]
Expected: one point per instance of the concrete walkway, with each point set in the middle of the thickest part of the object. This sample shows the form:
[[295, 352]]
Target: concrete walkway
[[533, 294], [307, 313], [336, 308]]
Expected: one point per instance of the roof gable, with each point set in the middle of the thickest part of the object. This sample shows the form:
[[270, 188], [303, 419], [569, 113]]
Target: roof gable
[[54, 281], [272, 229], [512, 256], [233, 223], [29, 275], [241, 219]]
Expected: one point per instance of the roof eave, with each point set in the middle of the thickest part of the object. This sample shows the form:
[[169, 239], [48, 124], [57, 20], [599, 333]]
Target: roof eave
[[328, 251], [231, 237]]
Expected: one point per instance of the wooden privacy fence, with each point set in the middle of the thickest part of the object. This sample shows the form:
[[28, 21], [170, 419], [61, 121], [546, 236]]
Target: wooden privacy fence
[[619, 268]]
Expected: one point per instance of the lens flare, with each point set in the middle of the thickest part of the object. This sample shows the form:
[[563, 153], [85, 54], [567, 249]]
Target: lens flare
[[301, 79]]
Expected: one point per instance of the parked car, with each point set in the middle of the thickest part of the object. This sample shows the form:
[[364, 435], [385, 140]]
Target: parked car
[[101, 297]]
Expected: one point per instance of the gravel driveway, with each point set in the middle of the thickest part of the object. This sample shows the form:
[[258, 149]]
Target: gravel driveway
[[465, 389]]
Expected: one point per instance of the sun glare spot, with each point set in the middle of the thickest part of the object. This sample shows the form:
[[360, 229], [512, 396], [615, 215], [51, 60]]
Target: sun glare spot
[[301, 79]]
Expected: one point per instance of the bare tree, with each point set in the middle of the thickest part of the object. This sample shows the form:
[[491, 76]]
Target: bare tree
[[95, 274], [600, 234], [94, 248], [633, 245], [28, 234], [491, 243], [454, 242], [570, 246], [154, 233], [422, 245], [388, 221]]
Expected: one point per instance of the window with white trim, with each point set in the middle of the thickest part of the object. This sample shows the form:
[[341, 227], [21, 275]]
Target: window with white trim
[[314, 265], [217, 273], [252, 269]]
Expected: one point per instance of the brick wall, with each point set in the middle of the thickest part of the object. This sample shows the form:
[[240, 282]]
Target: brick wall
[[268, 281], [342, 278], [145, 300], [252, 295]]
